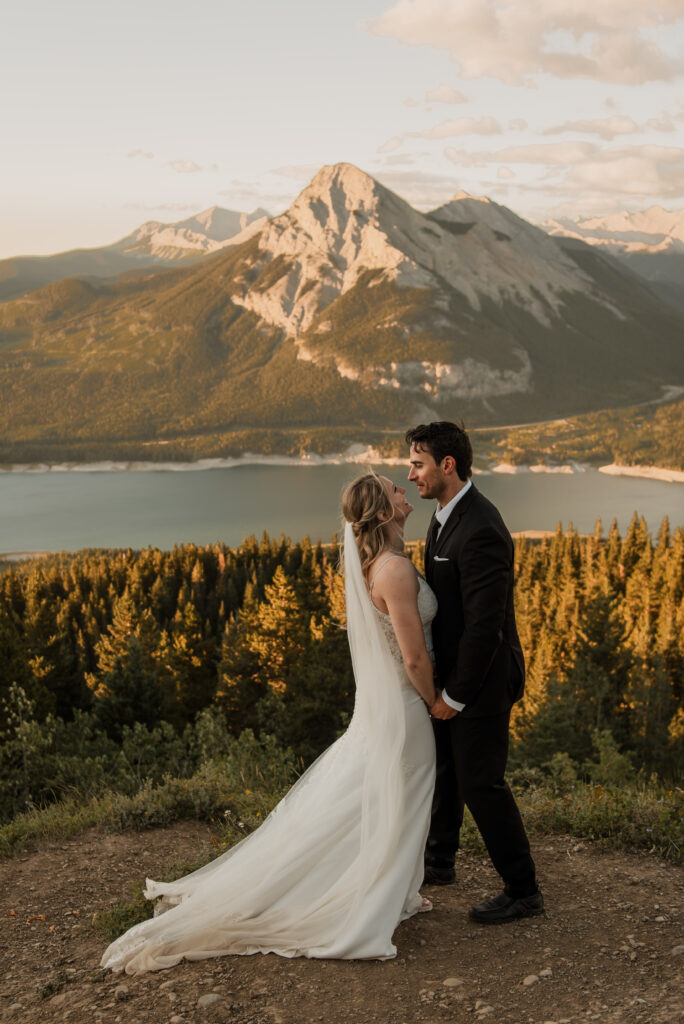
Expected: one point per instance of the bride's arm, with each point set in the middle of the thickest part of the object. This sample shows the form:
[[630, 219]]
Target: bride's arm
[[397, 589]]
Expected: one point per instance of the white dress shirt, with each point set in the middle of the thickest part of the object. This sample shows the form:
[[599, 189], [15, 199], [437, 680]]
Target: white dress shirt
[[441, 515]]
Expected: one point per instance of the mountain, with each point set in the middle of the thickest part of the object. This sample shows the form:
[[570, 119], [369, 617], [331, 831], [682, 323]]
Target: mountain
[[349, 311], [204, 233], [650, 242], [152, 244]]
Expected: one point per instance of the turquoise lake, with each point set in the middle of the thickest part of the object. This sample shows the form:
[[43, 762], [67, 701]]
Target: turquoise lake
[[68, 510]]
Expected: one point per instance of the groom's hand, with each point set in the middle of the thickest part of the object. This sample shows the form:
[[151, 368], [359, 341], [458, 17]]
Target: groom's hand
[[440, 709]]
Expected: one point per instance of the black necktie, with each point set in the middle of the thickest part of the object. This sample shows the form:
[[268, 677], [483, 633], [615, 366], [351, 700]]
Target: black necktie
[[432, 534]]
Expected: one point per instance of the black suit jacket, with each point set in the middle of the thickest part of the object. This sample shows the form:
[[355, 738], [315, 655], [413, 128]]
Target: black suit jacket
[[470, 568]]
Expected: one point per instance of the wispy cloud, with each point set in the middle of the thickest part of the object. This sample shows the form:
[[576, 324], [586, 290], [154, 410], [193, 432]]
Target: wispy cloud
[[140, 153], [390, 145], [664, 123], [166, 207], [539, 153], [460, 126], [246, 196], [298, 172], [399, 159], [640, 170], [605, 40], [607, 127], [589, 169], [422, 189], [184, 166], [445, 94]]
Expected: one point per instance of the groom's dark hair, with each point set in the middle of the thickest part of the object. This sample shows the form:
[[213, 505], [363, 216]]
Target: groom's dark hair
[[441, 439]]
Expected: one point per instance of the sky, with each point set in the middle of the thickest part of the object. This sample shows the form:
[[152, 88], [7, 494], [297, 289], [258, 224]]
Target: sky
[[119, 113]]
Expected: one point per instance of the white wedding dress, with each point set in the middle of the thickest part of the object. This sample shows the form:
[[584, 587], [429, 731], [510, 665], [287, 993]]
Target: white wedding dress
[[338, 863]]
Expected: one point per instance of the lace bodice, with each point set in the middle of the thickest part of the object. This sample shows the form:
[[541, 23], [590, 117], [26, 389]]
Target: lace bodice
[[427, 609]]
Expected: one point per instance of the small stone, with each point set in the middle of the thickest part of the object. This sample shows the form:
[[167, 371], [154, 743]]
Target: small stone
[[121, 992], [58, 999], [204, 1001], [15, 1007], [677, 950], [176, 1019], [661, 919], [452, 982], [546, 973], [166, 984], [531, 979]]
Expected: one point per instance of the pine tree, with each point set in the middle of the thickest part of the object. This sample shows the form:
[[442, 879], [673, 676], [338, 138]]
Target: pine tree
[[129, 684], [189, 658]]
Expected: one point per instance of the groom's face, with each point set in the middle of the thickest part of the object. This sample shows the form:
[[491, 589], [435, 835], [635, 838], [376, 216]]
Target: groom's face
[[426, 474]]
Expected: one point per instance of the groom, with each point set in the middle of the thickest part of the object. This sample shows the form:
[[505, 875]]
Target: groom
[[480, 670]]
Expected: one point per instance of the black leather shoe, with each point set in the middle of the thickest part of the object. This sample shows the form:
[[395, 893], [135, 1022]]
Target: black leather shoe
[[507, 908], [438, 876]]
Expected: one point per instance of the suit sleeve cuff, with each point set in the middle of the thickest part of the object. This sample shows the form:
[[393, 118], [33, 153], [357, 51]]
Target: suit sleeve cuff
[[455, 704]]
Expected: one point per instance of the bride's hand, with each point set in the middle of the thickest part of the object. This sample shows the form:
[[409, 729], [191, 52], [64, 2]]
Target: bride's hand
[[440, 709]]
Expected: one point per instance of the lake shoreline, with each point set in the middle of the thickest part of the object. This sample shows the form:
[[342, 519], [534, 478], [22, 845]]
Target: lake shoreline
[[355, 455]]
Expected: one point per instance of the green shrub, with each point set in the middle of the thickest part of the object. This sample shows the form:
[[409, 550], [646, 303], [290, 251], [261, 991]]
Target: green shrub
[[236, 791]]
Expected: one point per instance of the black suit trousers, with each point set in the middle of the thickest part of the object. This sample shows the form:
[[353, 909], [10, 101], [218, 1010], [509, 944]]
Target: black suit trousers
[[471, 762]]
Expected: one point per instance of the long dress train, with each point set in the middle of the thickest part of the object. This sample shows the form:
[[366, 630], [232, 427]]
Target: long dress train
[[338, 863]]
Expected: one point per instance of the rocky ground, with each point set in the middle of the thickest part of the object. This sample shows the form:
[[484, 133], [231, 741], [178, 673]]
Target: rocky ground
[[610, 948]]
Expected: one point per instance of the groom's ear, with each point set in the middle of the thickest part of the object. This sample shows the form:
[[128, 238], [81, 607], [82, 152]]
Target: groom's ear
[[448, 465]]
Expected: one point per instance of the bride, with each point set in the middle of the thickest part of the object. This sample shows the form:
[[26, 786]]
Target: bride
[[338, 863]]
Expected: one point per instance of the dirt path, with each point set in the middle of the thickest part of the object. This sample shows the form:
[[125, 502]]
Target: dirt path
[[609, 949]]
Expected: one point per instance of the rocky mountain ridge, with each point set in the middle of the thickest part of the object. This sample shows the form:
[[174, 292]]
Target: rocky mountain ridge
[[651, 230], [153, 244], [203, 233], [351, 309], [650, 242]]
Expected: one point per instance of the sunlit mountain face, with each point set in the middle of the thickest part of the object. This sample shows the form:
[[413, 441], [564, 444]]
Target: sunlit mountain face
[[348, 311]]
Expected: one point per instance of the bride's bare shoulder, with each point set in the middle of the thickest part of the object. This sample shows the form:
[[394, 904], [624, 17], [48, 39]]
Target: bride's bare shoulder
[[393, 572]]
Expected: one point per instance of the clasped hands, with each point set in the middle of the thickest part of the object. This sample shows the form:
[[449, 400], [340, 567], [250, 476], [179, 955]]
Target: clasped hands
[[440, 709]]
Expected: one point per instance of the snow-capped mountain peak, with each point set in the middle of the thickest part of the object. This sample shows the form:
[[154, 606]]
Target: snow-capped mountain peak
[[650, 242], [654, 229], [202, 233]]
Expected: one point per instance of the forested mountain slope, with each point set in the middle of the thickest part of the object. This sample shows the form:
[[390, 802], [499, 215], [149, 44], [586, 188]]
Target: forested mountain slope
[[351, 310]]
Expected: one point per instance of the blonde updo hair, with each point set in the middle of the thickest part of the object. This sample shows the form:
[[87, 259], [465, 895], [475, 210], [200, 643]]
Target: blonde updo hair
[[363, 501]]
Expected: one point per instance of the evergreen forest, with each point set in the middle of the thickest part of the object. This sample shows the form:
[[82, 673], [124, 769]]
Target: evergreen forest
[[123, 672]]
